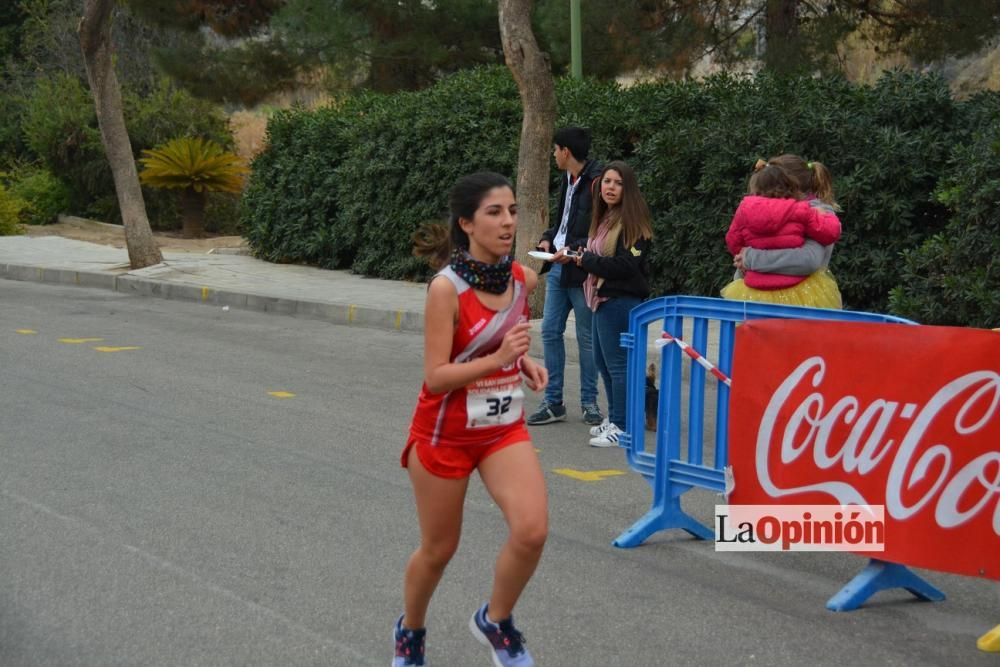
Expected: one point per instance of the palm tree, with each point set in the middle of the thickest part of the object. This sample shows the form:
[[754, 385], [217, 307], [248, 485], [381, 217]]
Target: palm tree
[[195, 166]]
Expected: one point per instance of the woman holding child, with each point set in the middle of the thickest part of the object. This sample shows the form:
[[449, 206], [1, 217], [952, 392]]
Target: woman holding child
[[782, 236]]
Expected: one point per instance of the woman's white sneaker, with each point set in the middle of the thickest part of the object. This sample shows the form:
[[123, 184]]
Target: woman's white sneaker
[[609, 438], [597, 430]]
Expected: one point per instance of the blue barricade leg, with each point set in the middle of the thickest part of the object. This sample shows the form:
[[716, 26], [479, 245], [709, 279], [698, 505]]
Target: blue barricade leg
[[877, 576], [661, 517]]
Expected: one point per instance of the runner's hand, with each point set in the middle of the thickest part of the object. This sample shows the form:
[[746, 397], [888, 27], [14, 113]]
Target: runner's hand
[[515, 344], [535, 375]]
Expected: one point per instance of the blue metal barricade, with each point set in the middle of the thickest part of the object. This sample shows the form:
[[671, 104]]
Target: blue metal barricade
[[708, 325]]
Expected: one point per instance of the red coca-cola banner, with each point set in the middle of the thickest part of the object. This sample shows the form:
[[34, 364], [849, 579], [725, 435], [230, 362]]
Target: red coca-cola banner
[[881, 414]]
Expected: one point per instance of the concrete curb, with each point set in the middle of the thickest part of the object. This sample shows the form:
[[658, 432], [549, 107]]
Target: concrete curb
[[40, 274]]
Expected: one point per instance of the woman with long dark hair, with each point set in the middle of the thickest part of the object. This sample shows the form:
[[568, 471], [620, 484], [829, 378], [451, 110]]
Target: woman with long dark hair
[[617, 263], [470, 415]]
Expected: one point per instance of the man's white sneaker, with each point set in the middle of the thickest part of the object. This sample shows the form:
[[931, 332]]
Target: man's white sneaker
[[609, 438], [597, 430]]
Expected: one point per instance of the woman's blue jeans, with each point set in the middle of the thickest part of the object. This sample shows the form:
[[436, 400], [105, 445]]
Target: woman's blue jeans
[[558, 302], [610, 321]]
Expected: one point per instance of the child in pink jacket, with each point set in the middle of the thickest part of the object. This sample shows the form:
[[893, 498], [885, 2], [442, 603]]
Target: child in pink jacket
[[811, 261], [776, 215]]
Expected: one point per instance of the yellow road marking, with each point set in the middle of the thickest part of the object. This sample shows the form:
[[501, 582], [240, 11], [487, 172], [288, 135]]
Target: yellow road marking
[[105, 348], [281, 394], [204, 293], [350, 312], [26, 332], [77, 341], [588, 476], [990, 642], [399, 319]]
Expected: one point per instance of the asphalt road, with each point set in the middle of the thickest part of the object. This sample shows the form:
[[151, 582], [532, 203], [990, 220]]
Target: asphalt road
[[159, 505]]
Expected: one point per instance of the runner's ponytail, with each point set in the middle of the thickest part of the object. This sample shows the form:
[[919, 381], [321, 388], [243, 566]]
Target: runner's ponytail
[[432, 243]]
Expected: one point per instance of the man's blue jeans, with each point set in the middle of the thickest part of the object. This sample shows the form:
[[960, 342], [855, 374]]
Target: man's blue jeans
[[558, 302], [610, 322]]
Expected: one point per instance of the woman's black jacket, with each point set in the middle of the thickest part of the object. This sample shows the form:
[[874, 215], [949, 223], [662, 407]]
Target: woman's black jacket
[[626, 273]]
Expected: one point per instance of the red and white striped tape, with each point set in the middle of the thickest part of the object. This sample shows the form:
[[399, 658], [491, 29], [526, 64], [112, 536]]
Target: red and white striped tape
[[667, 339]]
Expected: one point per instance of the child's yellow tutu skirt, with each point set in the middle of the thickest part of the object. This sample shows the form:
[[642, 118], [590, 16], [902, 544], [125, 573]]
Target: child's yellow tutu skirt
[[817, 291]]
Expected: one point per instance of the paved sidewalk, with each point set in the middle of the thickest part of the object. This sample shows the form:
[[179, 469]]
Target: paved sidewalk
[[232, 280], [238, 281]]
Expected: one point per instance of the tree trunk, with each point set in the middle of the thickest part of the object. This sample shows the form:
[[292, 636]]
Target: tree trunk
[[783, 52], [192, 213], [95, 42], [533, 74]]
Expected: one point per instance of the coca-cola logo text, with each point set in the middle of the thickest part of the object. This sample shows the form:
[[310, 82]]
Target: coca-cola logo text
[[817, 425]]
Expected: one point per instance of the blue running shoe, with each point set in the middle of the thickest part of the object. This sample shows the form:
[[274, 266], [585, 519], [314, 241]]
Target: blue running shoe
[[505, 642], [409, 646]]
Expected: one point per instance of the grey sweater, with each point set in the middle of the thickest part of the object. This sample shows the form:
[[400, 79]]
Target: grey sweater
[[802, 261]]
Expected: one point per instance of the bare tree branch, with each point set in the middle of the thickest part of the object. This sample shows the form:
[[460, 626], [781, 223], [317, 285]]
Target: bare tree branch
[[728, 37]]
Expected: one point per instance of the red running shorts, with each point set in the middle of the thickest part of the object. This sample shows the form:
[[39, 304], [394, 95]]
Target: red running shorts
[[459, 462]]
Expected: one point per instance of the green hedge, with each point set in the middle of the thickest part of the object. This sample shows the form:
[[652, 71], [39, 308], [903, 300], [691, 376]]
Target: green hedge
[[954, 276], [344, 187], [11, 207], [885, 146], [347, 186], [45, 195]]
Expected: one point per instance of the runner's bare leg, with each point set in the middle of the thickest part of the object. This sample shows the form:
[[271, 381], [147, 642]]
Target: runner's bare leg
[[439, 511], [513, 476]]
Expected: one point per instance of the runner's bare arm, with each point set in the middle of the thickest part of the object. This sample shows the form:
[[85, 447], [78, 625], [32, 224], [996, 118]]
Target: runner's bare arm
[[440, 314], [530, 279]]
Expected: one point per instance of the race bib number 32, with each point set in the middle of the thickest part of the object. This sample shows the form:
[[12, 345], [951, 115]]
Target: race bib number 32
[[490, 404]]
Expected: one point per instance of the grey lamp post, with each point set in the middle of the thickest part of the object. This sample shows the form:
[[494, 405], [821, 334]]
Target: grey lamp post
[[576, 51]]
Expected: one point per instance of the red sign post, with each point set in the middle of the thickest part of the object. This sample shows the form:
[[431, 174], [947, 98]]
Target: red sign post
[[875, 414]]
